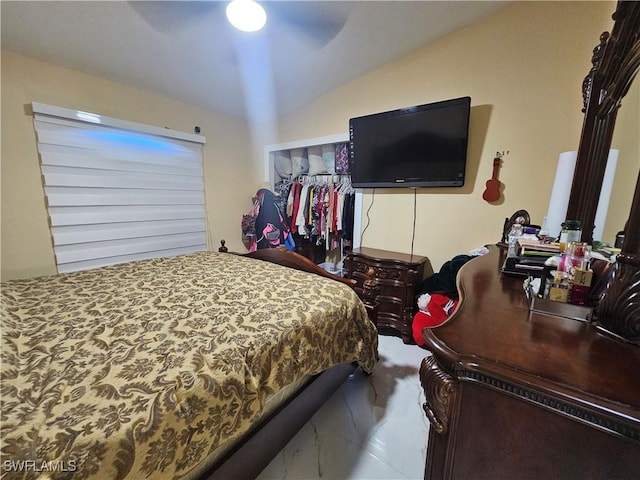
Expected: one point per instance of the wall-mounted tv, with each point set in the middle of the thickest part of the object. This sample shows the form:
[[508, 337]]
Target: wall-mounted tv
[[421, 146]]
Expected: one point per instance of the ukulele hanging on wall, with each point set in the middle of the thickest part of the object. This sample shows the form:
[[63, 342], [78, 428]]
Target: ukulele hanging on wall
[[492, 192]]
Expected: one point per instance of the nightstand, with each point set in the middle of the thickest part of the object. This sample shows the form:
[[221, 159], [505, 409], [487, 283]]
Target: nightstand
[[388, 283]]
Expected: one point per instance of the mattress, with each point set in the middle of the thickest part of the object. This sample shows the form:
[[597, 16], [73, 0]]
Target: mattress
[[141, 370]]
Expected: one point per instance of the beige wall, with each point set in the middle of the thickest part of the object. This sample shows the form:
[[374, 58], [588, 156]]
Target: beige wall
[[26, 244], [523, 68]]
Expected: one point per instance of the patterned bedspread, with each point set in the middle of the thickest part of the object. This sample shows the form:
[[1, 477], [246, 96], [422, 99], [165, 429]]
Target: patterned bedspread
[[140, 370]]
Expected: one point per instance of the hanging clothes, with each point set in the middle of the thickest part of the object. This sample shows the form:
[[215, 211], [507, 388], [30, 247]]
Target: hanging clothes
[[272, 228], [348, 215], [281, 189], [300, 219], [320, 208]]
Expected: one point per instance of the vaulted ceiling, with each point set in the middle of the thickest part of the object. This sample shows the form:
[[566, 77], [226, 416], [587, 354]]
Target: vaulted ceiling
[[187, 50]]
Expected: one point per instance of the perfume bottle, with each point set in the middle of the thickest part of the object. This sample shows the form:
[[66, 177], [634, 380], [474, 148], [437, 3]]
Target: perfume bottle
[[514, 234]]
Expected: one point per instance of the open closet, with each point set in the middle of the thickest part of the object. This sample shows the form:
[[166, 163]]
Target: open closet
[[314, 186]]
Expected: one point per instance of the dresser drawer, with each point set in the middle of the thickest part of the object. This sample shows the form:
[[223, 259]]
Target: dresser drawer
[[382, 271], [394, 280]]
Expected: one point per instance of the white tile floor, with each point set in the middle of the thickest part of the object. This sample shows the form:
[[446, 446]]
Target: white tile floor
[[373, 427]]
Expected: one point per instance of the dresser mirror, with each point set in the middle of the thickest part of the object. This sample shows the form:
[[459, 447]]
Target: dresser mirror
[[627, 140], [615, 63]]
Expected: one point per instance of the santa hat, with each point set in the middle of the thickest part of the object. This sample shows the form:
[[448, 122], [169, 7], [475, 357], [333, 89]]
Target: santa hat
[[438, 309]]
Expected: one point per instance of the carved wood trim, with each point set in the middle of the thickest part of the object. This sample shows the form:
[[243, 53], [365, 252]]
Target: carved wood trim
[[587, 84], [615, 63], [440, 390], [583, 415], [619, 310], [285, 257], [370, 288]]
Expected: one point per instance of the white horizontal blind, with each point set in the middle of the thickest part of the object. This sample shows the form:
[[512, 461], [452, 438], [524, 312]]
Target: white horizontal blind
[[118, 191]]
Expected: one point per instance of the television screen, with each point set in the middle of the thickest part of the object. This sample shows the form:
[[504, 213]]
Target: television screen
[[422, 146]]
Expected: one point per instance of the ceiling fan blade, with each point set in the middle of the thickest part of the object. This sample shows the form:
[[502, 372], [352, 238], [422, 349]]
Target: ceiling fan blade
[[316, 21], [320, 22], [170, 15]]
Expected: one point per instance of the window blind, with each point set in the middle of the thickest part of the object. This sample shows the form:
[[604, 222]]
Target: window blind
[[118, 191]]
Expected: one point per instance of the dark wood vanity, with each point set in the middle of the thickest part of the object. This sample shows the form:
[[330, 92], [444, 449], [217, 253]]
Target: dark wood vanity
[[514, 394], [525, 395]]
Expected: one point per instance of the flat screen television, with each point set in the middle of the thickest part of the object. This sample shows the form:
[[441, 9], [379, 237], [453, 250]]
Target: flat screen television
[[421, 146]]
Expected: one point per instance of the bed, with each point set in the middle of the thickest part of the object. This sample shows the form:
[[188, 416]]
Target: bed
[[171, 367]]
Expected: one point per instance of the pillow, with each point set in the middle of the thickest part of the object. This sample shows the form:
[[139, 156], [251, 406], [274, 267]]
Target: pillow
[[299, 162], [329, 158], [316, 163], [282, 163]]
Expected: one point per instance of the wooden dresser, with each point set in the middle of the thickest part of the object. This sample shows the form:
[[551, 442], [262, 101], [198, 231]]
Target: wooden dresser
[[389, 283], [514, 394]]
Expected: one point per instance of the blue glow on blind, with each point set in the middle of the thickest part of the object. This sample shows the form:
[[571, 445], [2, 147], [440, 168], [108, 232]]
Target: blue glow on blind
[[131, 140]]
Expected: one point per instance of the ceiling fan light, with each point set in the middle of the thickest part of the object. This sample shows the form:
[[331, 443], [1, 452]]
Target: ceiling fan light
[[246, 15]]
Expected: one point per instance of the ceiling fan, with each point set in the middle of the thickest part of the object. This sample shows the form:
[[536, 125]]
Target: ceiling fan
[[317, 22]]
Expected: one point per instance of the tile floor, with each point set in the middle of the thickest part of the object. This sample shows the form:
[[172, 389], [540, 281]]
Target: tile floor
[[373, 427]]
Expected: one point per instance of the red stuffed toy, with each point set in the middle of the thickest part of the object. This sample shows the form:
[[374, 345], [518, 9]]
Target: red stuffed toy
[[433, 310]]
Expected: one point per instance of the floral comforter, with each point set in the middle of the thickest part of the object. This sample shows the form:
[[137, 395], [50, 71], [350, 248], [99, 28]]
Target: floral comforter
[[141, 370]]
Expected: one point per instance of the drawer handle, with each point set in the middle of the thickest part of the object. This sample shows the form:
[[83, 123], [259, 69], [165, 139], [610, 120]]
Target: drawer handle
[[370, 287], [388, 274]]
